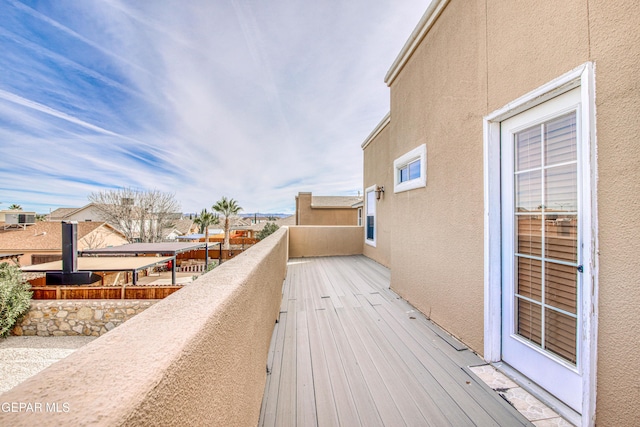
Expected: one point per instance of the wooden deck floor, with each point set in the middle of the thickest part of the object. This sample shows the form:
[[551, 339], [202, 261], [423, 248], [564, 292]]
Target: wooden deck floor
[[348, 351]]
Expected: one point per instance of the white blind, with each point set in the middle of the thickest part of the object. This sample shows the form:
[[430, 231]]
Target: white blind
[[546, 218]]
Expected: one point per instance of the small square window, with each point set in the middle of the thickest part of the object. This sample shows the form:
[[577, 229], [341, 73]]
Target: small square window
[[410, 170]]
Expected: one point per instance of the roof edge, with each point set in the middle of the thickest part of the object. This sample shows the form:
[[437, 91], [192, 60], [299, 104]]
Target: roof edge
[[383, 123], [333, 207], [426, 22]]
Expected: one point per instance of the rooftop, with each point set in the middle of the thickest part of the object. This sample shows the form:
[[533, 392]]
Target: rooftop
[[334, 201], [43, 235]]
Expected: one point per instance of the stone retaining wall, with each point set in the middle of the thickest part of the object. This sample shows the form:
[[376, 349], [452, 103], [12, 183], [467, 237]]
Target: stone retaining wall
[[78, 317]]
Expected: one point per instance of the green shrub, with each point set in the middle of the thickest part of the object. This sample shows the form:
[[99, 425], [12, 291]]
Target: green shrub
[[15, 297], [269, 228]]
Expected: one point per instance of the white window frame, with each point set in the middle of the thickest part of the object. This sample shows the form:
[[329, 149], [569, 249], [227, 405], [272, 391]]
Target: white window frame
[[582, 77], [370, 190], [418, 153], [359, 217]]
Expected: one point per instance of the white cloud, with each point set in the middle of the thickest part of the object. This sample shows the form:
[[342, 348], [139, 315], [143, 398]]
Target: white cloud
[[252, 100]]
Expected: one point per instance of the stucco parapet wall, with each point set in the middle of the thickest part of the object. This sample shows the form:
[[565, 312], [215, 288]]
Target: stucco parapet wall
[[376, 131], [434, 9], [78, 317], [197, 357], [320, 240]]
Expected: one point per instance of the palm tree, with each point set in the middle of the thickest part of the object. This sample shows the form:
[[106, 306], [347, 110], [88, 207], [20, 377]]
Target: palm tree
[[203, 222], [15, 207], [227, 208]]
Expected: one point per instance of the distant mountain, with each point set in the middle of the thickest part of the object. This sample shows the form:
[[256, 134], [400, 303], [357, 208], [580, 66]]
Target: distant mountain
[[244, 215], [264, 215]]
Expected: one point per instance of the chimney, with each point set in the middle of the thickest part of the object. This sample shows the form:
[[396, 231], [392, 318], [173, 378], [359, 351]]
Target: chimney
[[70, 274], [69, 246]]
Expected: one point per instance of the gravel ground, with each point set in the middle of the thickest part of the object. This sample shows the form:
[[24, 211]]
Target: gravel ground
[[23, 357]]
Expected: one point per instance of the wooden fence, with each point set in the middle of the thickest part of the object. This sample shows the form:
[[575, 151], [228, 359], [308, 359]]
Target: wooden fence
[[214, 253], [103, 292], [43, 258]]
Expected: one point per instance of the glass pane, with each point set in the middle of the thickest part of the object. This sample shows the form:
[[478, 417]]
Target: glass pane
[[529, 321], [529, 192], [530, 278], [561, 192], [370, 225], [404, 174], [414, 170], [528, 148], [371, 203], [561, 238], [560, 140], [560, 286], [560, 335], [529, 232]]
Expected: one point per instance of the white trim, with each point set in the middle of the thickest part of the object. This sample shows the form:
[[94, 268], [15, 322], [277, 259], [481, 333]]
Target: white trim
[[583, 77], [370, 242], [430, 16], [590, 279], [555, 87], [418, 153], [492, 242], [383, 123]]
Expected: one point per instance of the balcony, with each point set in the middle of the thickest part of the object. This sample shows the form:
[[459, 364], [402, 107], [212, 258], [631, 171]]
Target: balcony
[[345, 351], [348, 351]]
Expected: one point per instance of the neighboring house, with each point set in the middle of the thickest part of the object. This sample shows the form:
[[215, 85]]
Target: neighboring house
[[181, 227], [91, 212], [280, 222], [43, 241], [239, 227], [326, 210], [511, 149], [15, 218], [85, 213]]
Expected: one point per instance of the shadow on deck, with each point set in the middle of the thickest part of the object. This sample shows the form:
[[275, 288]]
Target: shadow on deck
[[348, 351]]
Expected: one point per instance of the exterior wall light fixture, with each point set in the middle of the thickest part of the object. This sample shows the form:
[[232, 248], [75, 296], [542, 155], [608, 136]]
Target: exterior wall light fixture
[[379, 191]]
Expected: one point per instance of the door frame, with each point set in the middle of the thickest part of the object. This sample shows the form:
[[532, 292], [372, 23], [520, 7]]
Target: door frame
[[583, 77]]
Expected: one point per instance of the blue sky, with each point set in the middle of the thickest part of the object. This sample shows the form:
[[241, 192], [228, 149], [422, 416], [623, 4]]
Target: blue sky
[[250, 99]]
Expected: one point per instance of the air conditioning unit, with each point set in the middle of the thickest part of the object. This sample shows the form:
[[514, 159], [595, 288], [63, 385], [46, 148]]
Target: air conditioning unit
[[22, 218]]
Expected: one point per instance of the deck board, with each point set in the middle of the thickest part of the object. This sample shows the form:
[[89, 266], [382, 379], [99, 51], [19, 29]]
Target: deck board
[[326, 411], [287, 398], [348, 351], [306, 415], [345, 405]]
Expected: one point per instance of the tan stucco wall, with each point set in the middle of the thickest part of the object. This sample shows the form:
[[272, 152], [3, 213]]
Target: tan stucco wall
[[530, 43], [615, 49], [25, 259], [309, 241], [308, 215], [475, 59], [378, 167], [101, 238], [91, 213], [437, 232], [197, 357]]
